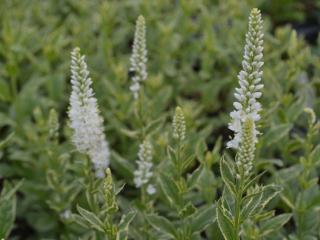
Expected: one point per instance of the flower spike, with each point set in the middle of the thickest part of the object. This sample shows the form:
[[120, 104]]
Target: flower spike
[[247, 95], [144, 173], [86, 122], [138, 60]]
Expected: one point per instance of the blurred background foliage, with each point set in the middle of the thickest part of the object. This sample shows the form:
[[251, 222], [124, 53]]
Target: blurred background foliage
[[195, 51]]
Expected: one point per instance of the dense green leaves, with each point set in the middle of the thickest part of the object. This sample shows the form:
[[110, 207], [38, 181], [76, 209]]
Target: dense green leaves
[[194, 56], [227, 174], [162, 224]]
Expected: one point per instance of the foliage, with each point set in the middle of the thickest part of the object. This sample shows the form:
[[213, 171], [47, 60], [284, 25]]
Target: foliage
[[49, 190]]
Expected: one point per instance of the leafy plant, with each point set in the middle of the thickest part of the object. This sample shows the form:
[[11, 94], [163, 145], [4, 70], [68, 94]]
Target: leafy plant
[[173, 176]]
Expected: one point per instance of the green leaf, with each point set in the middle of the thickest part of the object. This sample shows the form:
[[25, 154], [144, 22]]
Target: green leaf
[[7, 215], [315, 154], [187, 210], [187, 162], [264, 216], [201, 148], [202, 218], [170, 190], [162, 224], [124, 224], [253, 180], [172, 154], [91, 218], [129, 133], [193, 178], [8, 190], [251, 204], [227, 175], [274, 224], [269, 193], [8, 204], [256, 202], [5, 94], [123, 166], [80, 220], [155, 125], [276, 133], [225, 223], [207, 184], [4, 142], [295, 109]]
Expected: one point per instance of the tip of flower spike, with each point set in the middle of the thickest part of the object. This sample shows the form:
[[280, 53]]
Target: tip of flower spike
[[178, 109], [312, 115], [255, 11], [75, 50], [179, 125], [140, 19], [108, 172]]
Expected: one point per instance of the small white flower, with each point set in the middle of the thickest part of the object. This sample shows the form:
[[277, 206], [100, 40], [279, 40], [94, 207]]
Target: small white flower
[[138, 60], [144, 172], [247, 95], [86, 122], [66, 214], [151, 189]]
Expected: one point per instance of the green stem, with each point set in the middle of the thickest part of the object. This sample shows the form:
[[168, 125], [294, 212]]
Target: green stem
[[238, 202], [14, 87], [140, 114], [179, 166], [143, 196]]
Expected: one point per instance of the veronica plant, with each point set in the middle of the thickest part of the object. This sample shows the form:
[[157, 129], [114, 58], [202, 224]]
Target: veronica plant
[[243, 199], [105, 213], [186, 221], [138, 68], [301, 192], [8, 202], [86, 122]]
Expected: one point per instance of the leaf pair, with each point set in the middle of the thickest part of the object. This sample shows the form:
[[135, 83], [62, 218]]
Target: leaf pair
[[196, 222], [91, 220]]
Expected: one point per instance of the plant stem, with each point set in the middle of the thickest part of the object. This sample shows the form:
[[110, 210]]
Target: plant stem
[[238, 201], [140, 114]]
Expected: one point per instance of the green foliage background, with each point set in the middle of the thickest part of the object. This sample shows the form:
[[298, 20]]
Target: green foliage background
[[195, 51]]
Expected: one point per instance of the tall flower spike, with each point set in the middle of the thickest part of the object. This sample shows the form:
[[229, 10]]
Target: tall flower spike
[[138, 60], [86, 122], [179, 125], [249, 77], [144, 173]]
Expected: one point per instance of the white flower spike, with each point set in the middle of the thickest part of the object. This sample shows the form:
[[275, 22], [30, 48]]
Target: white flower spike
[[249, 77], [86, 122], [179, 125], [144, 172], [138, 60]]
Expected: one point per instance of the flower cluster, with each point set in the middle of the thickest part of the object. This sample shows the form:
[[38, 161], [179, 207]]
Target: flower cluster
[[138, 60], [86, 122], [249, 77], [179, 125], [245, 156], [144, 173]]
